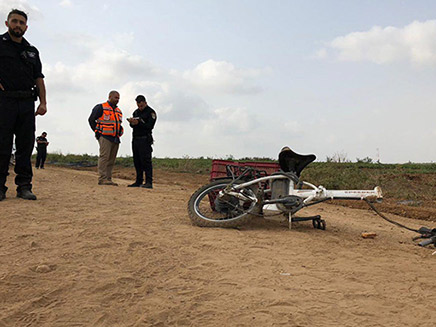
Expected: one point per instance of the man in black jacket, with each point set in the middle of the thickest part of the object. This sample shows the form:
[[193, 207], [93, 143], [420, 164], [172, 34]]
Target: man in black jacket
[[21, 81], [142, 122]]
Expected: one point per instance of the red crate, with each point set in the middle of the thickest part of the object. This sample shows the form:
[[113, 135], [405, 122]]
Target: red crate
[[219, 169]]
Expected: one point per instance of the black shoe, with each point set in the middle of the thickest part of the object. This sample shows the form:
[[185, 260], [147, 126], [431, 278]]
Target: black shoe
[[2, 195], [134, 185], [147, 185], [26, 194]]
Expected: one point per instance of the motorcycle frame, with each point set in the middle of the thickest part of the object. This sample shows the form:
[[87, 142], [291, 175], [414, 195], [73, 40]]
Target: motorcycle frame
[[310, 196]]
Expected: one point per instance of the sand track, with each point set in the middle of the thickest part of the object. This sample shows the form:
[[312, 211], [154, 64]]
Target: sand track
[[89, 255]]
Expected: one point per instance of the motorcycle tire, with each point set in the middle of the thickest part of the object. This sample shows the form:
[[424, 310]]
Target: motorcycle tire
[[206, 210]]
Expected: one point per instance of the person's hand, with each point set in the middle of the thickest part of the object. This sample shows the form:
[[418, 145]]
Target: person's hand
[[42, 109], [1, 87], [133, 121]]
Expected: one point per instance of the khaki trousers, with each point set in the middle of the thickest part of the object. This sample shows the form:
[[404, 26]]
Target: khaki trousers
[[106, 160]]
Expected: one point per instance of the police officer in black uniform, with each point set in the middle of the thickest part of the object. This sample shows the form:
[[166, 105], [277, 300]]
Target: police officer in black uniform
[[21, 82], [41, 149], [142, 122]]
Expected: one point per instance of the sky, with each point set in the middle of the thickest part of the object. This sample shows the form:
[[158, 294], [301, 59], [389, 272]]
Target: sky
[[243, 78]]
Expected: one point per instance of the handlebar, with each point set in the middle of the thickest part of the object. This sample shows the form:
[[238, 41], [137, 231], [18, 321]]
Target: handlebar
[[431, 240], [426, 230], [429, 235]]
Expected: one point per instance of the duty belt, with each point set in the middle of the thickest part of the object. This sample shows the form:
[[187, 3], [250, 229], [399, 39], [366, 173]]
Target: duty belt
[[18, 94]]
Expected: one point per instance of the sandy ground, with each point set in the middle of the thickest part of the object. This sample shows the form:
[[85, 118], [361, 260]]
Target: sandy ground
[[89, 255]]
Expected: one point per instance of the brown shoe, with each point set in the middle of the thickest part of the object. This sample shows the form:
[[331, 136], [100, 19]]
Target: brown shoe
[[112, 183], [106, 182]]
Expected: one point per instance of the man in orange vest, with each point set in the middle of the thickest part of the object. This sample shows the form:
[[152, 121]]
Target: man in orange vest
[[105, 121]]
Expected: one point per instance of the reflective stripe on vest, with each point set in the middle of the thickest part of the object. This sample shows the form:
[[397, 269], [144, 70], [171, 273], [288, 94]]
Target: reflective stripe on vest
[[109, 123]]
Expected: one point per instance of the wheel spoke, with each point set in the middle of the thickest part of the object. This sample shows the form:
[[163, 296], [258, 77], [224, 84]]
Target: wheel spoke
[[210, 207]]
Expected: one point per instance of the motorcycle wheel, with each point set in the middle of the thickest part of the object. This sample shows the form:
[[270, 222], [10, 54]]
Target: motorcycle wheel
[[206, 210]]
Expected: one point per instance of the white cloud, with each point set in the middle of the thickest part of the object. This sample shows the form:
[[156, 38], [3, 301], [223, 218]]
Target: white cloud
[[224, 77], [321, 54], [66, 3], [415, 43], [60, 78], [7, 5], [187, 114], [225, 131], [173, 102], [104, 68], [231, 121]]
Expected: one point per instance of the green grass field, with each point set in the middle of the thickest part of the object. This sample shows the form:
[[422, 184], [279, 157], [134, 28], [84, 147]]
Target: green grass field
[[409, 181]]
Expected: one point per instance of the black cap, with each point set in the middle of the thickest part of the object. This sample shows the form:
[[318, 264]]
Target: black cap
[[140, 98]]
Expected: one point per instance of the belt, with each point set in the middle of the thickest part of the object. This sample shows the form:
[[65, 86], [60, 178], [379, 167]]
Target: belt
[[18, 94], [141, 137]]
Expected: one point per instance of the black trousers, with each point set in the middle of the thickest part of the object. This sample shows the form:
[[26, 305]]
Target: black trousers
[[142, 150], [40, 157], [17, 117]]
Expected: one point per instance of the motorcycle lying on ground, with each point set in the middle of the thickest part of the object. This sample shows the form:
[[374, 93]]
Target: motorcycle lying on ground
[[233, 201]]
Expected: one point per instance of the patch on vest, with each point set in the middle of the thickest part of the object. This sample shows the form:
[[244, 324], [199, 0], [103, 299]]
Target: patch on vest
[[153, 115], [106, 117]]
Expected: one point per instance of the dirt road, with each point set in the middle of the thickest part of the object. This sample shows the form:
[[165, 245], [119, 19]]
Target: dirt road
[[89, 255]]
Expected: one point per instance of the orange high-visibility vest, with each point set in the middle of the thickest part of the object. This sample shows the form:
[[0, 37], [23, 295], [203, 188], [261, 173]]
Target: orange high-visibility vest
[[109, 123]]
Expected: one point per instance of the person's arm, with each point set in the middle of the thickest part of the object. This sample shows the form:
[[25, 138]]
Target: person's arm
[[95, 114], [40, 86], [150, 121], [38, 140]]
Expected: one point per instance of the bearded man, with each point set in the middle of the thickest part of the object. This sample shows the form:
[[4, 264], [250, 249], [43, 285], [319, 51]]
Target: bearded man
[[21, 83]]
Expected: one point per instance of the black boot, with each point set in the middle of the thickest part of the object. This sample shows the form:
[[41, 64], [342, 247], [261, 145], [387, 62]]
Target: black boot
[[147, 185], [26, 194]]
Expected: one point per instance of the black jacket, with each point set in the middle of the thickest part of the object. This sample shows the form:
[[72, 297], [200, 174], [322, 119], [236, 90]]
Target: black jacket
[[147, 119], [20, 64]]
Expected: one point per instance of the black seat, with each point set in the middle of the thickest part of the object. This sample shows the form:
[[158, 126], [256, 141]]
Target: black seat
[[290, 161]]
